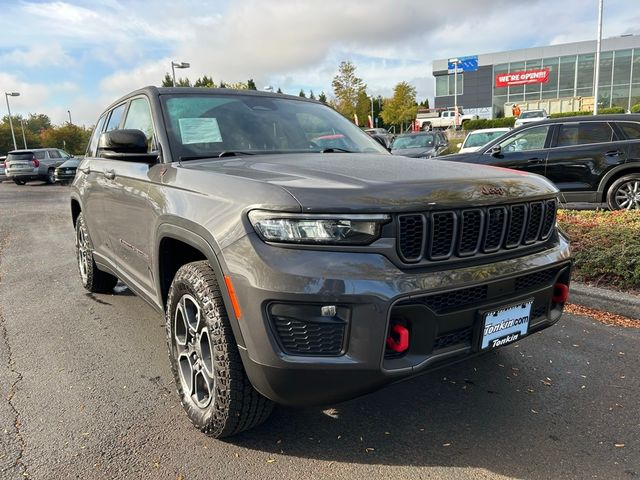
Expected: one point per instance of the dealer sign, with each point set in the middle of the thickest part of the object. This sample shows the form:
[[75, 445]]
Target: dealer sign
[[522, 78]]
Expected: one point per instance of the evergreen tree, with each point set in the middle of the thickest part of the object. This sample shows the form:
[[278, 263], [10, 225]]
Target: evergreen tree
[[322, 98], [251, 85], [301, 94], [311, 95], [279, 91]]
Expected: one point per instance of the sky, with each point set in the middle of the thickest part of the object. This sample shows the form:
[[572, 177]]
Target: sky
[[78, 56]]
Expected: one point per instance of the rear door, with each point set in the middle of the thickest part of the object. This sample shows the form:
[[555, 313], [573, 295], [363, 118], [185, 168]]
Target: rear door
[[581, 153], [524, 150]]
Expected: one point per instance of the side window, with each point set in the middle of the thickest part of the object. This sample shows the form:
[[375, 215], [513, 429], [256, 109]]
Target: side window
[[568, 135], [95, 136], [64, 154], [114, 119], [40, 155], [529, 139], [631, 130], [54, 154], [594, 132], [139, 117]]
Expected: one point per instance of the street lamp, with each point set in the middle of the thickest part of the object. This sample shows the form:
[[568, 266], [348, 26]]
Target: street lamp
[[596, 80], [372, 120], [24, 139], [455, 62], [175, 65], [69, 112], [13, 135]]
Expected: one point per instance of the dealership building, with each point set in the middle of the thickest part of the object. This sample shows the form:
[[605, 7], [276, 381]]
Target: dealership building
[[559, 78]]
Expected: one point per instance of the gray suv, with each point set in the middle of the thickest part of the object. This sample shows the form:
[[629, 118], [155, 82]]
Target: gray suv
[[295, 260], [34, 164]]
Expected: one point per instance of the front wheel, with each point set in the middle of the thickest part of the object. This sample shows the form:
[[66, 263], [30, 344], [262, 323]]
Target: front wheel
[[211, 382], [51, 178], [624, 193]]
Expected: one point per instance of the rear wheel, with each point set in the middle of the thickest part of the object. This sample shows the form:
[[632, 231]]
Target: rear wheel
[[624, 193], [211, 382], [92, 279], [19, 182]]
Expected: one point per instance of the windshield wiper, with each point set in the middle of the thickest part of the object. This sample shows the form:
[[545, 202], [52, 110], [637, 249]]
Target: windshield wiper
[[335, 150]]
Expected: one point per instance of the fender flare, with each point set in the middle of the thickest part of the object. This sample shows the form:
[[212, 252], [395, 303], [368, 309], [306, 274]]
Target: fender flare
[[615, 172]]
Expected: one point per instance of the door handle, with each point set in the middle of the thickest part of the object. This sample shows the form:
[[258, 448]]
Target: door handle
[[110, 174], [533, 161]]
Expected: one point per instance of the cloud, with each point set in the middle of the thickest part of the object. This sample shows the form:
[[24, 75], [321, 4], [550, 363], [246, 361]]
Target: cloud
[[41, 55]]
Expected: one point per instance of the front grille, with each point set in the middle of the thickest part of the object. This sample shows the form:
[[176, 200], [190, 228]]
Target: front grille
[[438, 236], [454, 338], [536, 279], [455, 298], [310, 338]]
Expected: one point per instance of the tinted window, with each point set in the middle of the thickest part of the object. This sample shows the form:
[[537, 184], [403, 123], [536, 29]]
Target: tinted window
[[529, 139], [40, 155], [139, 117], [584, 133], [54, 154], [114, 119], [93, 144], [19, 156], [631, 130]]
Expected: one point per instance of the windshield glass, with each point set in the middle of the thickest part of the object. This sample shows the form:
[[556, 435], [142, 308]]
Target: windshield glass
[[208, 125], [533, 114], [414, 141], [481, 138]]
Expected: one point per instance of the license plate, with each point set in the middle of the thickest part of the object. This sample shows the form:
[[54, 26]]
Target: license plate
[[68, 171], [505, 325]]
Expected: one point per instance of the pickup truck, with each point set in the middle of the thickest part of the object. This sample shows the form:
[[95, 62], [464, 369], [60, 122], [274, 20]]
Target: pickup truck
[[442, 120], [295, 260]]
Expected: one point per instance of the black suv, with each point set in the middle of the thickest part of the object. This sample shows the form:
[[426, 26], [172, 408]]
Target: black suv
[[590, 158], [295, 259]]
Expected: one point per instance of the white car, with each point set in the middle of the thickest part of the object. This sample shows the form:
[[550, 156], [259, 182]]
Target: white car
[[479, 138], [530, 116]]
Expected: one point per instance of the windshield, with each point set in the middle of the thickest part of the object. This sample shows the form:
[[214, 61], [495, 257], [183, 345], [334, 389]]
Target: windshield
[[533, 114], [414, 141], [213, 124], [481, 138]]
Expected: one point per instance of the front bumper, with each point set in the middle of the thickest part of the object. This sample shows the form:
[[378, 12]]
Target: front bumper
[[369, 292], [63, 176]]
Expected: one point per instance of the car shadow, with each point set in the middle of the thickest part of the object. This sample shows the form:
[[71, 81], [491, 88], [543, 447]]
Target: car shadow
[[478, 413]]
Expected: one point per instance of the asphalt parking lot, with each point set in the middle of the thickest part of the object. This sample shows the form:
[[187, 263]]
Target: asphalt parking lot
[[86, 392]]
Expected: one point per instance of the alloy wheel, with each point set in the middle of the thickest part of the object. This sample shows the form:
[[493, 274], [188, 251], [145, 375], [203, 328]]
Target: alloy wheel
[[194, 351], [628, 195], [82, 248]]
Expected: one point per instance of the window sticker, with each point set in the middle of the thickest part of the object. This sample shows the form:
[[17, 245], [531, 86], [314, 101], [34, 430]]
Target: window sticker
[[199, 130]]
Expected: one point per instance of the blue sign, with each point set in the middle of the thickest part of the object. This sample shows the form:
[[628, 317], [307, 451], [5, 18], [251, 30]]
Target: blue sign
[[465, 64]]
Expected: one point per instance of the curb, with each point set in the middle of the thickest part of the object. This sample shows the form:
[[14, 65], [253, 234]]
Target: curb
[[613, 301]]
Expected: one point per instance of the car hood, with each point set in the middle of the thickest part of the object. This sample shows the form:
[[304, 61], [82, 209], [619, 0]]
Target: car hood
[[339, 182], [414, 152]]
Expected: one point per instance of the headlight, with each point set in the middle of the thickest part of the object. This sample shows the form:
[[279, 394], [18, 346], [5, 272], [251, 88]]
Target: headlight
[[317, 229]]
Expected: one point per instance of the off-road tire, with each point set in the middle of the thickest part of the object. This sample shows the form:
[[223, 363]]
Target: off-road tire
[[19, 182], [51, 178], [94, 280], [234, 405], [629, 183]]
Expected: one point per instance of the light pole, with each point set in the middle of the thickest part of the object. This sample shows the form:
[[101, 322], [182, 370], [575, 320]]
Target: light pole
[[175, 65], [69, 112], [13, 135], [455, 62], [24, 139], [596, 81], [372, 120]]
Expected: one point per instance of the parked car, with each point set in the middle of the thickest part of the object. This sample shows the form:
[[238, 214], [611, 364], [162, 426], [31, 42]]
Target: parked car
[[530, 116], [293, 272], [590, 158], [66, 172], [420, 145], [3, 175], [381, 134], [34, 164], [479, 138], [434, 119]]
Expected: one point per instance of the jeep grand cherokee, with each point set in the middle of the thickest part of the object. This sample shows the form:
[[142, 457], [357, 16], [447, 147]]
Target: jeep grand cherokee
[[295, 260]]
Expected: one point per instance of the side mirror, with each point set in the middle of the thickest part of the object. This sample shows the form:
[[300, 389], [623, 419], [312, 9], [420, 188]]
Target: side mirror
[[381, 141], [495, 151], [127, 145]]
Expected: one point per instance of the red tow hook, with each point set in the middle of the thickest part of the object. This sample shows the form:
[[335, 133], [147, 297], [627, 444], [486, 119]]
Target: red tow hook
[[400, 344], [560, 293]]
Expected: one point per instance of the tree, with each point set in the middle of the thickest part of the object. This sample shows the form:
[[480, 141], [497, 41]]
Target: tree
[[302, 94], [349, 91], [251, 85], [205, 82], [167, 81], [322, 98], [237, 85], [72, 138], [402, 106], [279, 91], [311, 95], [424, 104]]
